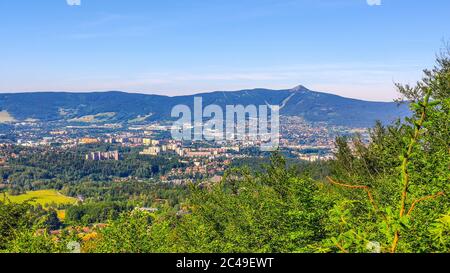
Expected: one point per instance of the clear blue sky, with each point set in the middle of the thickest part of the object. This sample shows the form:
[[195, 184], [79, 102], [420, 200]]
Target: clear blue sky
[[176, 47]]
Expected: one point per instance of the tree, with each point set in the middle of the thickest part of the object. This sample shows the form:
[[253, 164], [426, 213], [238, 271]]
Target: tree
[[273, 211], [400, 180]]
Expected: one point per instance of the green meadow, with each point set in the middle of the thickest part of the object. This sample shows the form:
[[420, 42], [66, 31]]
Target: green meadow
[[42, 197]]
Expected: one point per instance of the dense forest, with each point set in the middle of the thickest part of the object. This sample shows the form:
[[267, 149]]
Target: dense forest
[[58, 167], [389, 195]]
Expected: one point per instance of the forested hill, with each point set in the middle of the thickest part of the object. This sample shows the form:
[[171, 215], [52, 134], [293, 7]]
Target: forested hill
[[114, 106]]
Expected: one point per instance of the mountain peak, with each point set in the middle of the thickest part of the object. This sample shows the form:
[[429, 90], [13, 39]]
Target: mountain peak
[[299, 101], [300, 88]]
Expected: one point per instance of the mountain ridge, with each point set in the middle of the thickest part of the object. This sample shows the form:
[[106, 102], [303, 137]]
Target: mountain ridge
[[300, 101], [298, 88]]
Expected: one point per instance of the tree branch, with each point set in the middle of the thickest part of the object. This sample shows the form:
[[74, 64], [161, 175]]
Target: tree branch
[[404, 167], [423, 199], [341, 248], [366, 188]]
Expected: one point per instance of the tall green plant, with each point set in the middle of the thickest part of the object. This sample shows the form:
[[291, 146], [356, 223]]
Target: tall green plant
[[389, 201]]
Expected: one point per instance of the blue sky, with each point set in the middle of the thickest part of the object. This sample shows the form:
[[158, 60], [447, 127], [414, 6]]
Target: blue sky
[[173, 47]]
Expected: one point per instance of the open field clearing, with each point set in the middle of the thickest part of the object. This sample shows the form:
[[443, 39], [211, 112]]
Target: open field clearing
[[42, 197]]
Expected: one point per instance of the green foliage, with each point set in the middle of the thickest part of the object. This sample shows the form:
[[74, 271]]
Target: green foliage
[[128, 234], [31, 241], [273, 212], [18, 223], [405, 167], [12, 217], [61, 167], [440, 232], [92, 213]]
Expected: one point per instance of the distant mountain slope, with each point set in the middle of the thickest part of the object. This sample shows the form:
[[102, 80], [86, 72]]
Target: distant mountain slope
[[123, 107]]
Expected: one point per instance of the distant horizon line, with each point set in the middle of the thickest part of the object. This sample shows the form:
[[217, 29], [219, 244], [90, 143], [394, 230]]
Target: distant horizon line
[[298, 87]]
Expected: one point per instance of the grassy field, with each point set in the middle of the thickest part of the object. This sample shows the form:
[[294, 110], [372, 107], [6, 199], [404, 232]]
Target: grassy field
[[42, 197]]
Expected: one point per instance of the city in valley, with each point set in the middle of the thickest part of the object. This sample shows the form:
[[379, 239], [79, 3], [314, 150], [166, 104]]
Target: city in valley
[[196, 161]]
